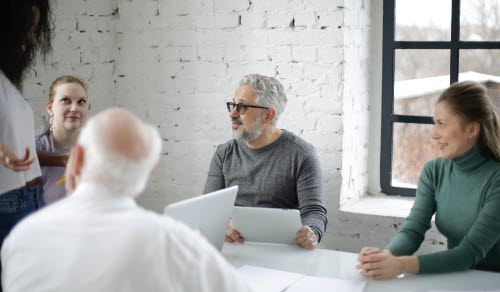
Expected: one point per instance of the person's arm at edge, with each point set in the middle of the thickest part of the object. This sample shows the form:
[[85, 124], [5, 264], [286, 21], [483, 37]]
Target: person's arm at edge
[[309, 194], [52, 158]]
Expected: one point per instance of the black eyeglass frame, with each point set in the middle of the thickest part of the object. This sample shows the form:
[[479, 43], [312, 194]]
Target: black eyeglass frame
[[241, 107]]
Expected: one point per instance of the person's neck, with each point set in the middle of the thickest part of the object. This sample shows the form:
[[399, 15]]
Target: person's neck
[[63, 138], [268, 136]]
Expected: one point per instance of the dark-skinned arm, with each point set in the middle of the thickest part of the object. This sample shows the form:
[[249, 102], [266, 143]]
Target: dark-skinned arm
[[51, 158]]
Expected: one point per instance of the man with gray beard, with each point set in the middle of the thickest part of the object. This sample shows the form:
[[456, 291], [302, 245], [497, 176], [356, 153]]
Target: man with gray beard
[[273, 167]]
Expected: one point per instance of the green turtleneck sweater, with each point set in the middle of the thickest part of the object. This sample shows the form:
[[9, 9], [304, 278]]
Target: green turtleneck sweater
[[464, 193]]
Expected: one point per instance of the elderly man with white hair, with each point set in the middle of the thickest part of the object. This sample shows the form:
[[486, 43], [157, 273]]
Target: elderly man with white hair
[[98, 239], [273, 167]]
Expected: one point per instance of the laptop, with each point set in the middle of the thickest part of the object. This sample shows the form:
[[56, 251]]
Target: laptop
[[268, 225], [209, 214]]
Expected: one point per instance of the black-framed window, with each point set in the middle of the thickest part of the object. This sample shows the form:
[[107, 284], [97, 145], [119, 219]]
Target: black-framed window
[[450, 40]]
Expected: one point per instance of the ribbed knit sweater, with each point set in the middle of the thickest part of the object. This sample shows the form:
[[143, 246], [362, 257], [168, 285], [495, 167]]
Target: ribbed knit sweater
[[464, 193]]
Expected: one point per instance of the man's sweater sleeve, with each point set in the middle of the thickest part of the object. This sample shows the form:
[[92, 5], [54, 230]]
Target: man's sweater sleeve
[[215, 179], [309, 194]]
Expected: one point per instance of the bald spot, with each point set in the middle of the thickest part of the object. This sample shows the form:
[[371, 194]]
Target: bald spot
[[124, 133]]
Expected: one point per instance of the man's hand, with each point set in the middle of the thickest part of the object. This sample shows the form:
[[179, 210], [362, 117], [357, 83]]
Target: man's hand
[[306, 238], [376, 263], [232, 235], [9, 159]]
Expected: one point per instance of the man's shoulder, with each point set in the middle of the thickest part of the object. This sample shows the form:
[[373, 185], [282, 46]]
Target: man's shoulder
[[227, 146], [183, 239], [33, 223], [293, 141], [172, 229]]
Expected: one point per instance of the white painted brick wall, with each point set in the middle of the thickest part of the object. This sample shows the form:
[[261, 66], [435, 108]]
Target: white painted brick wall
[[175, 62], [352, 231], [84, 45]]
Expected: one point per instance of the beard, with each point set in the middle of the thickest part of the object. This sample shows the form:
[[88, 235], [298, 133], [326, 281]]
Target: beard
[[250, 132]]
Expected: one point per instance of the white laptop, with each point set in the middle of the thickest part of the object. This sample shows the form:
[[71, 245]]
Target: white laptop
[[269, 225], [208, 213]]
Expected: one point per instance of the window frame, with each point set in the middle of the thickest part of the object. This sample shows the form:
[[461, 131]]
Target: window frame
[[389, 47]]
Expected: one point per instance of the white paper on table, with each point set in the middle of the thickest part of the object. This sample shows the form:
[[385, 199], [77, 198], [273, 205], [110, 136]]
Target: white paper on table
[[268, 280], [318, 284]]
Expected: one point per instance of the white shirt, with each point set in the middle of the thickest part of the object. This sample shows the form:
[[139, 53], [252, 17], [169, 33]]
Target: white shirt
[[17, 131], [94, 240]]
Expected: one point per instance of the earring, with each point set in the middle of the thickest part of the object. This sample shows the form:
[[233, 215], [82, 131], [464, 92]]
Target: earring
[[51, 122]]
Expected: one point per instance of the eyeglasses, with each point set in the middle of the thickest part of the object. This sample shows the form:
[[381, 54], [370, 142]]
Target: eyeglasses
[[241, 107]]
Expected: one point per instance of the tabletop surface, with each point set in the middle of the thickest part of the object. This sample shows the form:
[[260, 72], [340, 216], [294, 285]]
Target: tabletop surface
[[342, 265]]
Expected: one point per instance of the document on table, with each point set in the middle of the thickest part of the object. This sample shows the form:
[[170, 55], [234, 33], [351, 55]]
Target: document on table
[[318, 284], [270, 280]]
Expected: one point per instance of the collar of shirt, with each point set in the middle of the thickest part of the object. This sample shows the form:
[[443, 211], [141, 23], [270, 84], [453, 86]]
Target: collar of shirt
[[95, 193]]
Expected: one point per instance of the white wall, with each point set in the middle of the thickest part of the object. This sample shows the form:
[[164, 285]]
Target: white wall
[[178, 61], [84, 45], [175, 62], [361, 140]]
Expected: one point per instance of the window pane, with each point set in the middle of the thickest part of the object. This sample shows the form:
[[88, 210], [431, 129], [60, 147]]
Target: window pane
[[416, 21], [482, 66], [421, 75], [480, 20], [412, 147]]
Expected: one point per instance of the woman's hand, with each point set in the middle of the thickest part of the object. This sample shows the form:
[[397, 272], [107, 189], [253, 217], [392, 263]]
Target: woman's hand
[[10, 160], [376, 263]]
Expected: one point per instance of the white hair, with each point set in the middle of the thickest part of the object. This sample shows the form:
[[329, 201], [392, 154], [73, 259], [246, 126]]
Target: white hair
[[269, 92], [110, 168]]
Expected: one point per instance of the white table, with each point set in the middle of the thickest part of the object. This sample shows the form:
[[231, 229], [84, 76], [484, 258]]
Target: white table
[[330, 263]]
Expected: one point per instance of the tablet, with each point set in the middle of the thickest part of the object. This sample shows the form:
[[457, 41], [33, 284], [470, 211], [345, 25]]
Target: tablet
[[268, 225], [208, 213]]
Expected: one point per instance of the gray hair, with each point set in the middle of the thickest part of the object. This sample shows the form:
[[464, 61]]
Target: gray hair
[[269, 92]]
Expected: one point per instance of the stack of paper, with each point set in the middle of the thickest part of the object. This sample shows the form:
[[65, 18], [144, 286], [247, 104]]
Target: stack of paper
[[270, 280]]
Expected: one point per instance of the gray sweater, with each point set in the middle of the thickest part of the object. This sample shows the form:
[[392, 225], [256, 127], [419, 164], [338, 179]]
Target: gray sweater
[[284, 174]]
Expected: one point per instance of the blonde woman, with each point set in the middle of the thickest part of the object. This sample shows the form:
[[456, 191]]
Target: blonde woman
[[68, 108]]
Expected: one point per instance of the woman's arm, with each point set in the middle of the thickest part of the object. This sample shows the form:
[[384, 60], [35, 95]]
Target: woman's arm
[[376, 263], [478, 242], [411, 235]]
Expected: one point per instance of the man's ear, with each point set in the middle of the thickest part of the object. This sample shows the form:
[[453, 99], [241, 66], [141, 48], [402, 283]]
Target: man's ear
[[79, 159], [270, 114], [152, 172], [74, 168]]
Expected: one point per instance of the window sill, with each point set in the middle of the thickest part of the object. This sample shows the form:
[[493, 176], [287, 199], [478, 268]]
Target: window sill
[[380, 205]]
